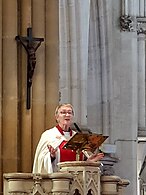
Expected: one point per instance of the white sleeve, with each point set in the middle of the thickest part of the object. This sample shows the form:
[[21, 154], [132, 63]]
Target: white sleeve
[[42, 160]]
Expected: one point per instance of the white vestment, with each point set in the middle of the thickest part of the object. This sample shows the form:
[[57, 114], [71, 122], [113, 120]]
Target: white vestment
[[42, 159]]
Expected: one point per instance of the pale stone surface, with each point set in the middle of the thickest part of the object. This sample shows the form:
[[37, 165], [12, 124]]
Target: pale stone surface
[[121, 186], [56, 183], [86, 176], [74, 29], [21, 128], [112, 83], [113, 185], [80, 178], [9, 84]]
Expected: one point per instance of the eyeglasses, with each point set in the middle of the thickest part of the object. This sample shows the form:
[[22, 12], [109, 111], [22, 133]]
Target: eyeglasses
[[66, 112]]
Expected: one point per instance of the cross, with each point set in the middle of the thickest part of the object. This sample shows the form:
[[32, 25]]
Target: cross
[[30, 44]]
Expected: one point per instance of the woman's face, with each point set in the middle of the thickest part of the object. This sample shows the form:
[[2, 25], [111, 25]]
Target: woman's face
[[64, 117]]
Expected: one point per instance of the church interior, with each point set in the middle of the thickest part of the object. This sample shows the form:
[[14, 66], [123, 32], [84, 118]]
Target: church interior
[[90, 53]]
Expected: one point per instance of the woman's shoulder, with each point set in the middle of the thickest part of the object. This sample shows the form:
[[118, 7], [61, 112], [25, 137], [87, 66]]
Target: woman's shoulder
[[49, 131]]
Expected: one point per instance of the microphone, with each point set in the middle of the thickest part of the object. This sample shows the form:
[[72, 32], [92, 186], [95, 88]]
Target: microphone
[[69, 129], [76, 126]]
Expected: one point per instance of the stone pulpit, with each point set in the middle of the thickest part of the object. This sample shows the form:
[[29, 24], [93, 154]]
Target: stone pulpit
[[86, 177]]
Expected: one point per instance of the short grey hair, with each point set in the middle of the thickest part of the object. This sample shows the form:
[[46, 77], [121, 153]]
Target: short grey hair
[[66, 105]]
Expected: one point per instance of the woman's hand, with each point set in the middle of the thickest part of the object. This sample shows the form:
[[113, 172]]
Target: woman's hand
[[52, 151], [95, 157]]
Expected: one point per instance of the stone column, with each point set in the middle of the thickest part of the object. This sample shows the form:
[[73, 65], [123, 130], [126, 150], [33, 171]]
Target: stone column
[[145, 8], [52, 60], [26, 133], [1, 171], [141, 8], [141, 68], [38, 88], [124, 131], [141, 81], [94, 96], [124, 7], [100, 68], [64, 52], [74, 21], [44, 89], [144, 190], [10, 89], [131, 7]]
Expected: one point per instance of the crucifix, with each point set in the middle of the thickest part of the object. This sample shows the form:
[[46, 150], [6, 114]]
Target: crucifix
[[30, 44]]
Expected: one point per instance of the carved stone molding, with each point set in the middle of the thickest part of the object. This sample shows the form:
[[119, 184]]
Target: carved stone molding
[[141, 25], [37, 184], [109, 184], [37, 188], [74, 178], [126, 23], [86, 176]]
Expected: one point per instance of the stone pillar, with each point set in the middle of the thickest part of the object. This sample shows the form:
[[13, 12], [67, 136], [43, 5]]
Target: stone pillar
[[26, 132], [51, 60], [124, 7], [144, 190], [9, 136], [141, 68], [132, 7], [124, 131], [141, 81], [145, 9], [74, 29], [38, 88], [141, 8], [86, 176], [44, 90], [1, 129], [105, 42], [100, 68], [94, 106]]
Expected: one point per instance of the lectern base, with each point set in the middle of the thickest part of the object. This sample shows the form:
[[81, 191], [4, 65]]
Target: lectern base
[[86, 176]]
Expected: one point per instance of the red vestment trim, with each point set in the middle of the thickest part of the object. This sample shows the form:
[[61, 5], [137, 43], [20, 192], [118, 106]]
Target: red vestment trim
[[66, 154]]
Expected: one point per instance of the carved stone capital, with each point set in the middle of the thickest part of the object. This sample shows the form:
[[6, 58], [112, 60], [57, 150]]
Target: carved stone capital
[[126, 23], [141, 25], [37, 188]]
